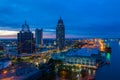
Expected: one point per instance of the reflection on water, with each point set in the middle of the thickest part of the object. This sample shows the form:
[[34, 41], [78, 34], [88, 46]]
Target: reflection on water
[[112, 71], [119, 42], [75, 72], [94, 72]]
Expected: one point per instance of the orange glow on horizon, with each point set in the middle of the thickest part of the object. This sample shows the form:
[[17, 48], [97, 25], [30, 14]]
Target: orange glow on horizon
[[15, 36], [6, 34]]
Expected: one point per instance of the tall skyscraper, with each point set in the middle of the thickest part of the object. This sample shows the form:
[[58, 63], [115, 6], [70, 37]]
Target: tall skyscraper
[[39, 37], [60, 34], [25, 40]]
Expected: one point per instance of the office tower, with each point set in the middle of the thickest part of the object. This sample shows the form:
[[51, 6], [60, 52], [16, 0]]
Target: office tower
[[25, 40], [39, 37], [60, 35]]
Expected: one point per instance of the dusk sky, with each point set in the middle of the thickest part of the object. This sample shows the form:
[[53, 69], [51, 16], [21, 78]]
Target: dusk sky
[[82, 18]]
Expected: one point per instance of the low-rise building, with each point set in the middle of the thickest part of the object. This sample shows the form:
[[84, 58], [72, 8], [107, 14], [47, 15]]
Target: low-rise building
[[83, 56]]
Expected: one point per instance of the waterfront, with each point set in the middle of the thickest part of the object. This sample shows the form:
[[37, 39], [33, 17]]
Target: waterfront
[[112, 71], [105, 72]]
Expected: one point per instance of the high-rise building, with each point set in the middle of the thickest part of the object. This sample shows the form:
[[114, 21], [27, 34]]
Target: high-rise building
[[39, 37], [25, 40], [60, 35]]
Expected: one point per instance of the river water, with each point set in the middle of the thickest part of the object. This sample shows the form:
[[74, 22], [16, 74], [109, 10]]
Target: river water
[[112, 71]]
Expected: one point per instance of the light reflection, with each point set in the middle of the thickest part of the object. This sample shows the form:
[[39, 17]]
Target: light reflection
[[119, 42], [89, 71], [94, 72], [101, 45], [5, 72]]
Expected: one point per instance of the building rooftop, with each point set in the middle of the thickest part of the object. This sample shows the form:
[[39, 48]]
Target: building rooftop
[[82, 52]]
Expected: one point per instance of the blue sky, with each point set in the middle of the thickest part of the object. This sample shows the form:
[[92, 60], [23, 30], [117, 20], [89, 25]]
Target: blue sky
[[82, 18]]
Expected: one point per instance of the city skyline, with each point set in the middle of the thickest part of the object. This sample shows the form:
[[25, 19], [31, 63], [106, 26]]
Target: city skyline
[[82, 18]]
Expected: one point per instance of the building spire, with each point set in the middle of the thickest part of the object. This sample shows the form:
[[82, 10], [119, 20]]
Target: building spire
[[60, 20], [25, 27]]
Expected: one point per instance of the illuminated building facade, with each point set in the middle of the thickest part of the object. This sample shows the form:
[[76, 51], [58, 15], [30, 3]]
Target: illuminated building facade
[[25, 40], [39, 37], [84, 57], [60, 35]]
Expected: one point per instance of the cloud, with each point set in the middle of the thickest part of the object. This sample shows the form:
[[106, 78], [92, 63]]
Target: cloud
[[81, 17], [49, 30], [13, 34], [6, 32]]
